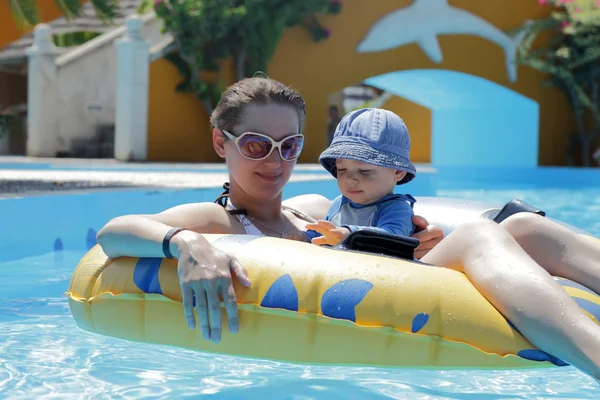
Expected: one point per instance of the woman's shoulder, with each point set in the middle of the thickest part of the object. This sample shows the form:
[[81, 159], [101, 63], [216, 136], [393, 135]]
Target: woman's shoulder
[[201, 217], [194, 208]]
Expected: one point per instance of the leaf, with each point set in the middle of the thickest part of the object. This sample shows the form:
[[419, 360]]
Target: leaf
[[106, 10], [145, 6], [78, 38], [179, 62], [24, 12], [184, 87], [69, 8]]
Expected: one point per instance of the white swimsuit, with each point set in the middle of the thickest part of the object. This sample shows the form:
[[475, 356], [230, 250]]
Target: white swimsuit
[[251, 229]]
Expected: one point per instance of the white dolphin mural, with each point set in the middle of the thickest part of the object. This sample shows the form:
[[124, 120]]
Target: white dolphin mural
[[424, 20]]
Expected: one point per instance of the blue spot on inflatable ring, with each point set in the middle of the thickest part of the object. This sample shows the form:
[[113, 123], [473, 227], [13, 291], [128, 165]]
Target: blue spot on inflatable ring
[[588, 306], [538, 355], [58, 245], [281, 294], [568, 283], [91, 238], [419, 322], [145, 275], [340, 300]]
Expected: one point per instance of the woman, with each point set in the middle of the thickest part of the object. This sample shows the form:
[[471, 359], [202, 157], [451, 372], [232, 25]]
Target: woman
[[257, 130]]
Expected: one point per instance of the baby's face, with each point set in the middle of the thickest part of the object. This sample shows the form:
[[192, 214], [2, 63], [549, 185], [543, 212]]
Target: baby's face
[[365, 183]]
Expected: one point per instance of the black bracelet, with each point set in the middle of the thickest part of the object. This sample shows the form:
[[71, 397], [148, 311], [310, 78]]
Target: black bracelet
[[167, 241]]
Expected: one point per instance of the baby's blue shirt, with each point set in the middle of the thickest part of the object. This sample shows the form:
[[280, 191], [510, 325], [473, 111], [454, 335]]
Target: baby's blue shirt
[[391, 214]]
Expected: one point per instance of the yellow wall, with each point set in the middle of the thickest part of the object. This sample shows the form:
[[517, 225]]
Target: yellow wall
[[418, 121], [178, 126], [318, 69], [10, 31]]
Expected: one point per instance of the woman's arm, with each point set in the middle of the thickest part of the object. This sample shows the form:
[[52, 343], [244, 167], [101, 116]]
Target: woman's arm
[[204, 271], [142, 235], [429, 235]]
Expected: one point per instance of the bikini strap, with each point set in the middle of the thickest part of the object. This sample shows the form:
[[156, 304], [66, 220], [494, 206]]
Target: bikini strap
[[222, 201]]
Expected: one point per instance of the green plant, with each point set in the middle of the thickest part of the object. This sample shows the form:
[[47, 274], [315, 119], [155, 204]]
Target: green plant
[[570, 54], [69, 39], [207, 33], [25, 12]]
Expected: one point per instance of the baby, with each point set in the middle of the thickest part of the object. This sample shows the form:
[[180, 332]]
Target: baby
[[369, 157]]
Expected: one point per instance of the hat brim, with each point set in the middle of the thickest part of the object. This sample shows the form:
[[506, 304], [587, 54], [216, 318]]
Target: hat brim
[[366, 154]]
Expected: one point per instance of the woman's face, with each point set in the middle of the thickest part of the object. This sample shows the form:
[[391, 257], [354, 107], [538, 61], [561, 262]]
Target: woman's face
[[260, 179]]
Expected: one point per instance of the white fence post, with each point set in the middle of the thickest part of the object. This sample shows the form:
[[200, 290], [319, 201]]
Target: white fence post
[[131, 119], [42, 135]]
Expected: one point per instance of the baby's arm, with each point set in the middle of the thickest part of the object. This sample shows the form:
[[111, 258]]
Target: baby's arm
[[327, 233], [311, 233], [393, 217]]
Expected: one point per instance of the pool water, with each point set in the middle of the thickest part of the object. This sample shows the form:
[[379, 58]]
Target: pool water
[[44, 355]]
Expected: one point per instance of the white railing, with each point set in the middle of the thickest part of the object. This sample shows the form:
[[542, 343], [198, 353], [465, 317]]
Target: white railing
[[99, 42], [131, 123], [97, 83]]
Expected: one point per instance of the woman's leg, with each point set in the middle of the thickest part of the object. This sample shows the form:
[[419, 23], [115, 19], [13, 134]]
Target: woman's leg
[[522, 291], [558, 250]]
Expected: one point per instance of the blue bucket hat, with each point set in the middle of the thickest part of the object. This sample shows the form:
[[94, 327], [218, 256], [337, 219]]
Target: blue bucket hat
[[374, 136]]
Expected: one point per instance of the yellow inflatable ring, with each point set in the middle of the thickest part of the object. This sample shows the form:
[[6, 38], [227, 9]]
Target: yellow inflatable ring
[[315, 305]]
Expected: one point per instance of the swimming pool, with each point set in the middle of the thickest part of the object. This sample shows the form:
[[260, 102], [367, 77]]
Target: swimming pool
[[43, 354]]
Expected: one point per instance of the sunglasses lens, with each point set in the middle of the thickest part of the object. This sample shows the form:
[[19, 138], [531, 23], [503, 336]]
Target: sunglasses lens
[[254, 146], [291, 148]]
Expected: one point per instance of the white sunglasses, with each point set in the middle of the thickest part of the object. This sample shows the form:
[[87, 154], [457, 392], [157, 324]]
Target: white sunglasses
[[256, 146]]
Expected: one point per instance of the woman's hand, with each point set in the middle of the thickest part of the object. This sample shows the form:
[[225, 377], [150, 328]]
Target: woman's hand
[[429, 235], [205, 272]]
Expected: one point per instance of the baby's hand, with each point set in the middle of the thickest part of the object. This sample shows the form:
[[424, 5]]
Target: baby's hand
[[332, 234]]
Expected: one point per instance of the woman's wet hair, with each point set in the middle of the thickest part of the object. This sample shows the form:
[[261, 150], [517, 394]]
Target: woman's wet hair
[[260, 90]]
